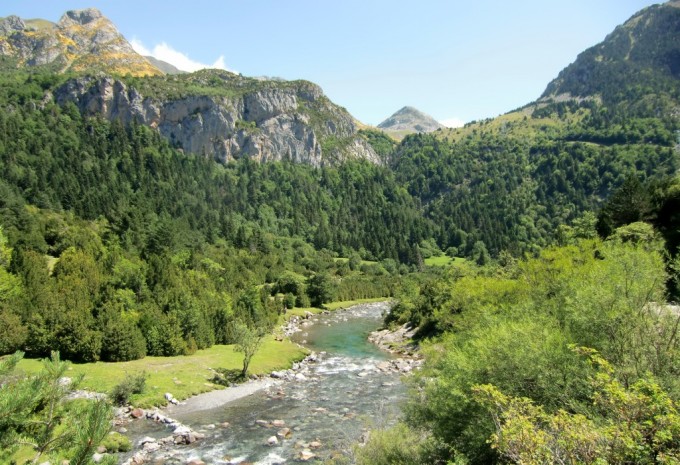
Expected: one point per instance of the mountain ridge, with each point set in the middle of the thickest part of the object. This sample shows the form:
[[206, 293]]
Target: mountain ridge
[[211, 113]]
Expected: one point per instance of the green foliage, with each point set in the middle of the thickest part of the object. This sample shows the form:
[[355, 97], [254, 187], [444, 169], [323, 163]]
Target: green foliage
[[116, 442], [513, 191], [122, 341], [320, 289], [131, 384], [247, 341], [35, 413], [639, 424], [512, 326], [397, 445], [383, 144]]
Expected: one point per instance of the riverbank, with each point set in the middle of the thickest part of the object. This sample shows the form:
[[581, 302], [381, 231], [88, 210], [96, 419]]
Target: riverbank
[[318, 408], [186, 376], [182, 376]]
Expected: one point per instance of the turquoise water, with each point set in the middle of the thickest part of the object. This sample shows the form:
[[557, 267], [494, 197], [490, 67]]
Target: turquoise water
[[342, 395], [345, 333]]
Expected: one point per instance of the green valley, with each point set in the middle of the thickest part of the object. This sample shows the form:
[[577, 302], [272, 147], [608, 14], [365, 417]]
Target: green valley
[[151, 223]]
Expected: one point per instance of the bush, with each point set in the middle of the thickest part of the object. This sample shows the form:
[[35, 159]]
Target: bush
[[116, 442], [132, 384]]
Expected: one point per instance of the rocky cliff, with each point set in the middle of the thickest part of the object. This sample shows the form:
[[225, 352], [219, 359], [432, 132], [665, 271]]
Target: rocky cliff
[[226, 116], [82, 40], [211, 112]]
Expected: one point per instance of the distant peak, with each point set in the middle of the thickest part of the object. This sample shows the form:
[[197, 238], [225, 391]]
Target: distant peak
[[80, 17], [409, 119]]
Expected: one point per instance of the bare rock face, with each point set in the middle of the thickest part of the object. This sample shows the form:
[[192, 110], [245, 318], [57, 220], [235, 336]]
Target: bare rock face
[[10, 25], [271, 122], [80, 17]]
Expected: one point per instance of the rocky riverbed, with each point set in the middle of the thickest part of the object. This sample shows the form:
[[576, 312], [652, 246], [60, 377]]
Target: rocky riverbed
[[317, 409]]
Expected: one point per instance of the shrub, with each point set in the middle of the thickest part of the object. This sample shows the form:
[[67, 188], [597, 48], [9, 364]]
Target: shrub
[[132, 384], [116, 442]]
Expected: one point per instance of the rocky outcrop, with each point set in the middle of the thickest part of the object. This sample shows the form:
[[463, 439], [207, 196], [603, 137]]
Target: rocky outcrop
[[82, 40], [396, 341], [266, 121]]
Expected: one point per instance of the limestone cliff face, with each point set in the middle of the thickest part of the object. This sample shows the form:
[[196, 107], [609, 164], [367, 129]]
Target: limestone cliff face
[[237, 117], [82, 40]]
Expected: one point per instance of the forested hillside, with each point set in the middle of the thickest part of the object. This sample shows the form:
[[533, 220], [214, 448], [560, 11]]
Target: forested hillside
[[509, 183], [116, 245], [568, 357]]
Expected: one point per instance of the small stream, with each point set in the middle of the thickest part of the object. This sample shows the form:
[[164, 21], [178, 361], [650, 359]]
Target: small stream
[[330, 406]]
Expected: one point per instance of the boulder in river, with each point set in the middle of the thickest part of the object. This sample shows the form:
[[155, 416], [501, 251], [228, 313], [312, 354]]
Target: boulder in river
[[284, 433], [306, 455]]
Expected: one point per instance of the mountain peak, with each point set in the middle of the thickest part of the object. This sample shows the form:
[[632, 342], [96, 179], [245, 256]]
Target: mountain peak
[[80, 17], [82, 41], [642, 53], [408, 120]]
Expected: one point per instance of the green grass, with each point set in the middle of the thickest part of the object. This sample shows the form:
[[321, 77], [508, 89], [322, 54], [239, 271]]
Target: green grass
[[183, 376], [442, 260], [345, 260]]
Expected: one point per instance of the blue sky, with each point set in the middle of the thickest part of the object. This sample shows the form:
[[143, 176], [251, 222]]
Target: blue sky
[[456, 60]]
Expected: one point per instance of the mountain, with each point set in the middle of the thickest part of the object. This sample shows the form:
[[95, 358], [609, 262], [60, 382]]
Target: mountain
[[639, 59], [211, 113], [164, 66], [410, 120], [226, 116], [82, 40], [513, 182]]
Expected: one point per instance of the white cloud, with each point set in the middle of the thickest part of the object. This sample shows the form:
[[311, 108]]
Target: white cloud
[[452, 122], [166, 53], [139, 47]]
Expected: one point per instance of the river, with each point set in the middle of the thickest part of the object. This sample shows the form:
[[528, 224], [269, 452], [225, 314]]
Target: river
[[327, 409]]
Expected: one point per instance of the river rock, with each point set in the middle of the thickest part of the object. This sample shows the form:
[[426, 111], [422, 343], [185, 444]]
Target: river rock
[[181, 429], [278, 423], [284, 433], [98, 457], [272, 441], [315, 445], [306, 455], [137, 413], [195, 462], [146, 439], [151, 446]]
